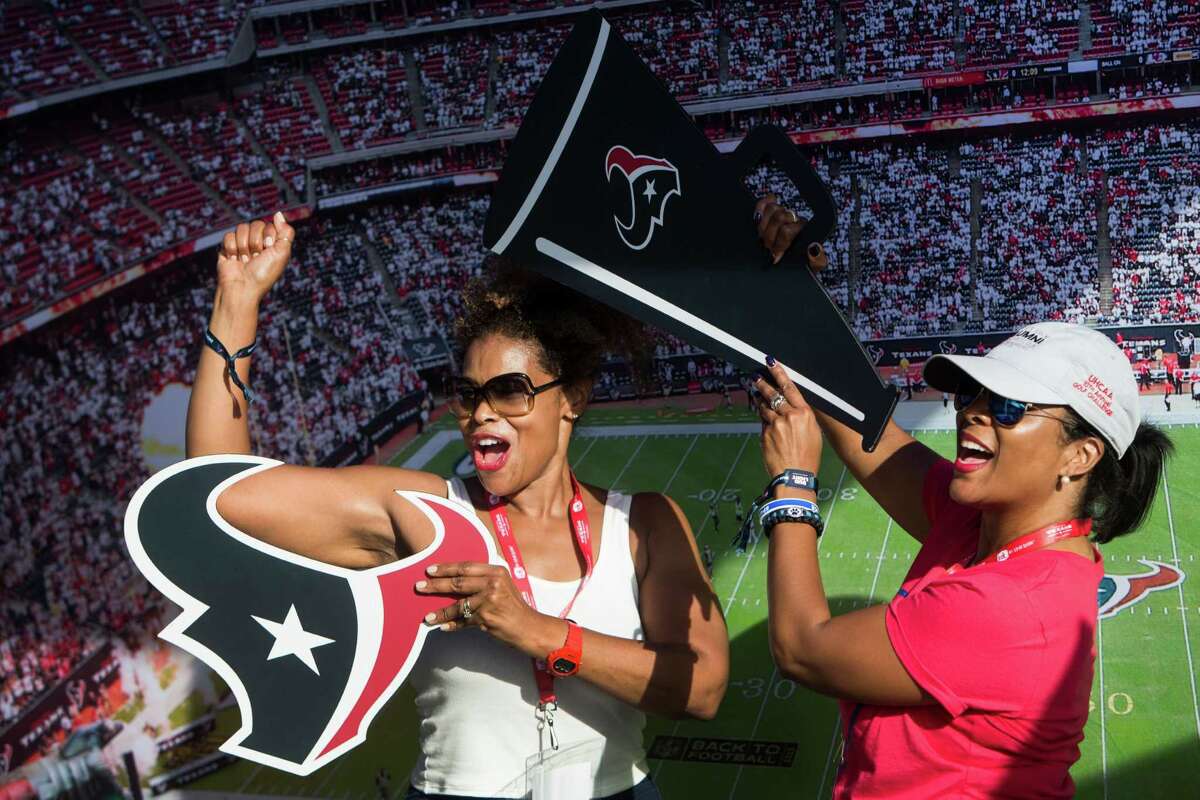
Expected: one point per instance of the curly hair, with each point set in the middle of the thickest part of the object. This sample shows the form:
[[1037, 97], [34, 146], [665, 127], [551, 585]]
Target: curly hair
[[571, 334]]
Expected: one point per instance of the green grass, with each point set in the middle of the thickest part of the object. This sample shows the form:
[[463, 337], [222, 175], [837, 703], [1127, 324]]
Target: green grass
[[1141, 740], [130, 710], [192, 708]]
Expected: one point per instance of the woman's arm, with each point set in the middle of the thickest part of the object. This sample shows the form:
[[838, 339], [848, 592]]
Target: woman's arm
[[682, 667], [894, 473], [249, 262], [349, 517], [849, 656]]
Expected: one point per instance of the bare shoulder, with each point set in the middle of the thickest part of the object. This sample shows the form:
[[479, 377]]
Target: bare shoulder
[[655, 511]]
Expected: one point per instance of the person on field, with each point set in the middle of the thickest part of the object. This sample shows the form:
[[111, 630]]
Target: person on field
[[973, 681], [606, 587]]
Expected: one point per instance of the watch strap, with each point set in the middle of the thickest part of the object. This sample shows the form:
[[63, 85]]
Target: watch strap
[[565, 661], [795, 478]]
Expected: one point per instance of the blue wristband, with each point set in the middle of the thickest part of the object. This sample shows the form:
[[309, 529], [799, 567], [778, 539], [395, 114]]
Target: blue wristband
[[793, 514], [786, 503]]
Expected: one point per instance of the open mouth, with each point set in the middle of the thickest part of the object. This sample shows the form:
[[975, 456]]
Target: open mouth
[[972, 455], [490, 453]]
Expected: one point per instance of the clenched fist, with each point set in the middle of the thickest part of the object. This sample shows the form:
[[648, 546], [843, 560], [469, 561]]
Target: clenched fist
[[252, 257]]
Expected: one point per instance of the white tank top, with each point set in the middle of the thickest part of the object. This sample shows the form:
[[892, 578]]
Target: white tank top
[[476, 696]]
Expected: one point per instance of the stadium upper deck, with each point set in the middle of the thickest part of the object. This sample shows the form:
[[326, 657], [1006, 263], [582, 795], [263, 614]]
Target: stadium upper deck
[[143, 174], [62, 45]]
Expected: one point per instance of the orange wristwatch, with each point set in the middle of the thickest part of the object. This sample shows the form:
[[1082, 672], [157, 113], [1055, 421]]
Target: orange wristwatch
[[564, 662]]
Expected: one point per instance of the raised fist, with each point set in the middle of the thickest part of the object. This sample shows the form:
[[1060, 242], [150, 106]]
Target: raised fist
[[252, 256]]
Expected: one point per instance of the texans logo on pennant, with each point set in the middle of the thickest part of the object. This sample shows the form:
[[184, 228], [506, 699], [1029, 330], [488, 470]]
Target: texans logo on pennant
[[650, 182], [311, 651]]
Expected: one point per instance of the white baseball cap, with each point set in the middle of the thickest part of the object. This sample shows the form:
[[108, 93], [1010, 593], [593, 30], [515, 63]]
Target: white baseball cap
[[1055, 363]]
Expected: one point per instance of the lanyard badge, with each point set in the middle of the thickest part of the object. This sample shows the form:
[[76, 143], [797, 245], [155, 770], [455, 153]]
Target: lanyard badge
[[547, 700]]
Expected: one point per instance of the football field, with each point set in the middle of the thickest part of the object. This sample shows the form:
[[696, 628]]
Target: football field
[[774, 738]]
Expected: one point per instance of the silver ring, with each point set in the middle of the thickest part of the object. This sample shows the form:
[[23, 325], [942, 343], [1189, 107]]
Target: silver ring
[[794, 217], [777, 401], [465, 608]]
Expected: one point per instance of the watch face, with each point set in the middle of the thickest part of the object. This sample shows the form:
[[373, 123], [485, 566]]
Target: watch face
[[563, 666]]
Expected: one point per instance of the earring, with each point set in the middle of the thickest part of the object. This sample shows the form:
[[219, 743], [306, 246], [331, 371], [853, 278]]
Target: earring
[[1064, 481], [574, 416]]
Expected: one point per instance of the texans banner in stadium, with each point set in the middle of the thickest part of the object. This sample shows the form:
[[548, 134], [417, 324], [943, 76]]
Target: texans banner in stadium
[[611, 189], [310, 650]]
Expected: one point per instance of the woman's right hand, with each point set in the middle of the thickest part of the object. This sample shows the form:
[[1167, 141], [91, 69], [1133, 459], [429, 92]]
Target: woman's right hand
[[778, 227], [252, 257]]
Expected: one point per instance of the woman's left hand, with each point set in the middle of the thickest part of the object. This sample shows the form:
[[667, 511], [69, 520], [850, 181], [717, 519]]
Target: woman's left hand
[[492, 603], [791, 437]]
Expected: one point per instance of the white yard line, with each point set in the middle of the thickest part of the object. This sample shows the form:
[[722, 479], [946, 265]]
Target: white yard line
[[882, 552], [628, 461], [583, 455], [439, 440], [732, 467], [1187, 642], [775, 670], [321, 788], [682, 461], [250, 778], [837, 726], [1103, 732], [670, 428]]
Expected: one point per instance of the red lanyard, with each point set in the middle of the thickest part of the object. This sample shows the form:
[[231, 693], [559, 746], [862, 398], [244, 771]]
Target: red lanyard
[[512, 555], [1042, 537]]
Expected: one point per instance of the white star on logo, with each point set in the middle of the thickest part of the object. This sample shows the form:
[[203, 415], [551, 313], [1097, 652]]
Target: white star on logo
[[649, 190], [292, 640]]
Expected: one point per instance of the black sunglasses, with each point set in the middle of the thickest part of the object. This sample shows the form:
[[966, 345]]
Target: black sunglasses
[[1004, 410], [509, 395]]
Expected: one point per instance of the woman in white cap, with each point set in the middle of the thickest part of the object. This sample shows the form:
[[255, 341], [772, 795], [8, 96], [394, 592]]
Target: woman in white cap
[[974, 679]]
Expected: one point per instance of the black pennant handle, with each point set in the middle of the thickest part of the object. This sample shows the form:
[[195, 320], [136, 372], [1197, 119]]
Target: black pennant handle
[[770, 141]]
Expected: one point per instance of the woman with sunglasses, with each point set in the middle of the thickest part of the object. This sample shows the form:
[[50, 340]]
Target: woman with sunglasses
[[974, 680], [603, 611]]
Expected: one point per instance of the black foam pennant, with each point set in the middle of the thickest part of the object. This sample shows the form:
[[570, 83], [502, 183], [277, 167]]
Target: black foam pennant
[[611, 189]]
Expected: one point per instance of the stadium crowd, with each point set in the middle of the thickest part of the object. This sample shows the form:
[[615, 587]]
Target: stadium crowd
[[1038, 232], [914, 218], [327, 362], [1153, 197], [984, 234], [770, 46], [1142, 25], [132, 182]]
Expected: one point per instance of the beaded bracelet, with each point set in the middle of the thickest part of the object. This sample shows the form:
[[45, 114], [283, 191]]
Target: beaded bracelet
[[793, 513]]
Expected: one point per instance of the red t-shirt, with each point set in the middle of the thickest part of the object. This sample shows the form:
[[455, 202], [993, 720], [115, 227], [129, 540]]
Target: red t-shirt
[[1005, 649]]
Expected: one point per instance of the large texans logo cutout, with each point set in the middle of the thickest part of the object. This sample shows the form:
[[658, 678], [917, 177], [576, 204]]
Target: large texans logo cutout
[[1119, 592], [311, 651], [651, 181]]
